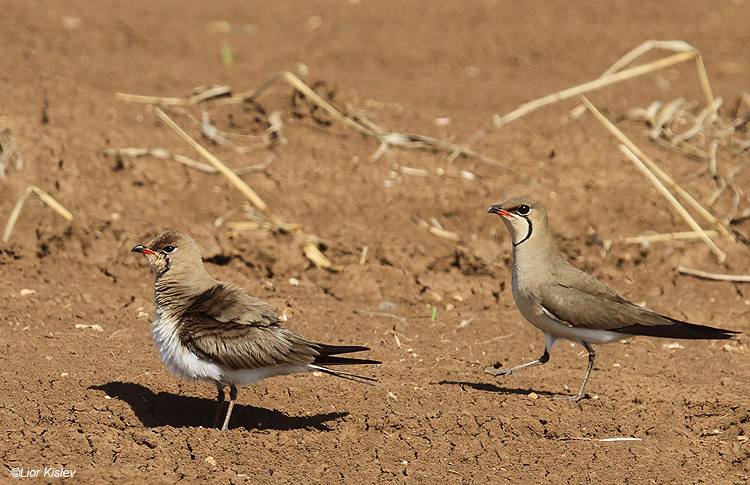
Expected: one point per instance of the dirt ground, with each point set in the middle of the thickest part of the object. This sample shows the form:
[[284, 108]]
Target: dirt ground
[[83, 387]]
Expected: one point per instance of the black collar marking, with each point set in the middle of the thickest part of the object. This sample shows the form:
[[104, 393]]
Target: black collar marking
[[528, 234]]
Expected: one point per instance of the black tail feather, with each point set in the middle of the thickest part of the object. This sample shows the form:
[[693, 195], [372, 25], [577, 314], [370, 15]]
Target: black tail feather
[[334, 360], [346, 375], [326, 349], [681, 330], [328, 355]]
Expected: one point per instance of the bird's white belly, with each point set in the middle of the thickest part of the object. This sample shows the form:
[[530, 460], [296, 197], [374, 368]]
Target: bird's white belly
[[185, 364], [549, 324]]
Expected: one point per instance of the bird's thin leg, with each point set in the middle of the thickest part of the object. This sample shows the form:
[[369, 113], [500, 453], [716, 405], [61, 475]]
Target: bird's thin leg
[[232, 398], [549, 341], [592, 358], [220, 398], [512, 370]]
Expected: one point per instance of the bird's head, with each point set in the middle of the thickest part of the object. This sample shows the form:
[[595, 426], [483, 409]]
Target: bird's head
[[172, 253], [521, 215]]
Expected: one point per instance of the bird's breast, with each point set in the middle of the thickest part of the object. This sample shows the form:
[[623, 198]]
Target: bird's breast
[[177, 358]]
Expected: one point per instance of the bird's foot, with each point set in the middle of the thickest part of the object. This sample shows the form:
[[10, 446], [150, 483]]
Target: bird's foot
[[500, 372]]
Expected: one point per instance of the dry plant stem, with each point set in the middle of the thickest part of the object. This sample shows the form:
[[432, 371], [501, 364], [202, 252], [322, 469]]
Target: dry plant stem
[[159, 153], [46, 198], [591, 85], [437, 231], [223, 169], [311, 250], [137, 98], [313, 254], [669, 236], [248, 225], [312, 95], [668, 195], [673, 45], [611, 76], [655, 168], [457, 152], [295, 82], [200, 97], [714, 276]]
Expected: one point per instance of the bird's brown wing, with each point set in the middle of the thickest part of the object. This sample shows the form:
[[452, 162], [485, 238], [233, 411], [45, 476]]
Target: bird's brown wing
[[585, 302], [236, 330]]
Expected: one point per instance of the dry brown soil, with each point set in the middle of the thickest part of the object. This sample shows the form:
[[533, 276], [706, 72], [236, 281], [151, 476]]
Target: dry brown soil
[[101, 403]]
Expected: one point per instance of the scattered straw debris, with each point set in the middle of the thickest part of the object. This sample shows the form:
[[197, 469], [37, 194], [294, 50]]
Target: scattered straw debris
[[736, 348], [672, 125], [355, 122], [700, 136], [658, 178], [310, 248], [46, 198], [260, 215], [685, 52], [675, 203]]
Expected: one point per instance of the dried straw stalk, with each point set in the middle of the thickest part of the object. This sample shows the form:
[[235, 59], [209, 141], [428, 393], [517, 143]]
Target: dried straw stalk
[[669, 236], [714, 276], [672, 200], [310, 249], [655, 168], [527, 108], [46, 198]]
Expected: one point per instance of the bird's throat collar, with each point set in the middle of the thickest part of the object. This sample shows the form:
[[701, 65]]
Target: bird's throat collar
[[528, 231]]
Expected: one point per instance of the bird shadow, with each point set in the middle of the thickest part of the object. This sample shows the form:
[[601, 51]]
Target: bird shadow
[[167, 409], [482, 386]]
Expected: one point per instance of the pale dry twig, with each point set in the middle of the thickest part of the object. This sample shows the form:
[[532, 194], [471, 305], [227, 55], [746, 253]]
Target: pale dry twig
[[633, 148], [45, 197], [713, 276], [672, 200]]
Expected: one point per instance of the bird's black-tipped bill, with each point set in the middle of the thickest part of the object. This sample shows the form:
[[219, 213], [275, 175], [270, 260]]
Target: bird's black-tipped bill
[[141, 249], [496, 209]]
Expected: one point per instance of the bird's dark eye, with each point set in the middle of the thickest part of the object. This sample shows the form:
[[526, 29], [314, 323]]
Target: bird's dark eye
[[523, 210], [169, 249]]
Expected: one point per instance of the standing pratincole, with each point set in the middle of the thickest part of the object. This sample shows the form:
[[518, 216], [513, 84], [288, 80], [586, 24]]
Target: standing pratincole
[[212, 331], [564, 302]]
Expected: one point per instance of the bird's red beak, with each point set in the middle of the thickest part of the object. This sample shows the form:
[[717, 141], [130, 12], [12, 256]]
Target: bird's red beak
[[496, 209], [141, 249]]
